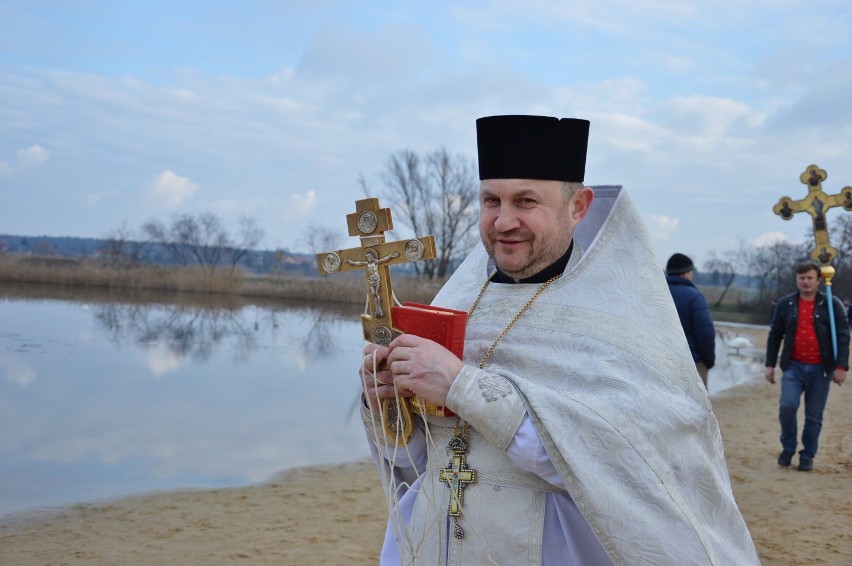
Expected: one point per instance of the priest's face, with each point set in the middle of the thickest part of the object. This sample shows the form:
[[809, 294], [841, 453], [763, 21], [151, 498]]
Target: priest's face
[[526, 224]]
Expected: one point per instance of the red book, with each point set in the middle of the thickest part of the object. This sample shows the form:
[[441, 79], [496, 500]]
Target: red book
[[439, 324]]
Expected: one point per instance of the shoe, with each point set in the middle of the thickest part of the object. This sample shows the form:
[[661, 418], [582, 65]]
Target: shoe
[[785, 458], [805, 465]]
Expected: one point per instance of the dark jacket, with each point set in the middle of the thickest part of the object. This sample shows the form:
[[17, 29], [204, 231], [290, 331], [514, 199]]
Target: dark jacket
[[784, 323], [695, 318]]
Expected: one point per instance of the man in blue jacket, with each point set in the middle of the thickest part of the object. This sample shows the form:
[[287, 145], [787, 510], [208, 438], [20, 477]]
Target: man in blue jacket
[[808, 362], [693, 312]]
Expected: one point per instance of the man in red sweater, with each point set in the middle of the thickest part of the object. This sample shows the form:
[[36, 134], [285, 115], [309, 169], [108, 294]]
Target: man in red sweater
[[808, 361]]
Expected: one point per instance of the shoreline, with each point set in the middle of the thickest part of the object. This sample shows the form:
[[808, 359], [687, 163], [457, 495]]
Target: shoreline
[[333, 514]]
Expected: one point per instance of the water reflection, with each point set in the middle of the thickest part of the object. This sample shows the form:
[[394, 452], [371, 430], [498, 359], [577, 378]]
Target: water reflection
[[252, 389], [185, 330]]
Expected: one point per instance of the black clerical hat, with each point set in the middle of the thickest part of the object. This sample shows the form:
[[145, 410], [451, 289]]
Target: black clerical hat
[[532, 147]]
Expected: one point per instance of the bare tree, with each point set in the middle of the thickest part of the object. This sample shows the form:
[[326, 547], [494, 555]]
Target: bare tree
[[249, 236], [121, 248], [724, 269], [773, 265], [158, 233], [115, 247], [434, 195], [320, 239], [203, 240], [207, 239]]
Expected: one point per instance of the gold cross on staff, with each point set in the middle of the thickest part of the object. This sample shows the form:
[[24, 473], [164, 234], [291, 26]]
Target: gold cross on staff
[[816, 204], [369, 222]]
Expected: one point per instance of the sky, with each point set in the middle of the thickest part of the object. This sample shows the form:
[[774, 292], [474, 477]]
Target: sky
[[115, 113]]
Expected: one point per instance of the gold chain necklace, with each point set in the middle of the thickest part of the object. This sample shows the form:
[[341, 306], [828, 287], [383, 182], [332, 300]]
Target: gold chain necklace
[[538, 292], [458, 475]]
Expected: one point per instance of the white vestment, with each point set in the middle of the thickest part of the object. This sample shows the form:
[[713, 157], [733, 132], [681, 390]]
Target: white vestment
[[591, 430]]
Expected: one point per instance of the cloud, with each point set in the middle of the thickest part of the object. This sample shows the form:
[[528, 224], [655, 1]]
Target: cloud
[[172, 189], [662, 226], [18, 372], [27, 158], [162, 360], [32, 156], [302, 204], [769, 238]]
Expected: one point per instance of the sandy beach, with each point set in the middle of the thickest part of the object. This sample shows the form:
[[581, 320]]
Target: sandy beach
[[336, 514]]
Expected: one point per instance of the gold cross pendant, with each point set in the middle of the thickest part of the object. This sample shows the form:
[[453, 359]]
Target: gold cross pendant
[[457, 475]]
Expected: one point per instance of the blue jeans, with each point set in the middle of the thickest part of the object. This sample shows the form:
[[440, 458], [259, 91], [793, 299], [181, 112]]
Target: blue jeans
[[811, 380]]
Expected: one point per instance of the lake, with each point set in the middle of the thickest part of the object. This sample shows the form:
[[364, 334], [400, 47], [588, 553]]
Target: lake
[[99, 399], [102, 398]]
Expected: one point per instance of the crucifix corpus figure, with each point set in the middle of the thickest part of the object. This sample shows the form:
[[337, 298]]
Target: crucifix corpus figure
[[816, 203], [369, 222], [374, 278]]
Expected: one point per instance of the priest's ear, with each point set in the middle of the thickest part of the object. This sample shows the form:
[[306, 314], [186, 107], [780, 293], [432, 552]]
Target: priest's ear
[[580, 203]]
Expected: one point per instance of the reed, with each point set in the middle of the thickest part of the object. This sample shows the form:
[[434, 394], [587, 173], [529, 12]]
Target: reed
[[83, 273], [90, 273], [337, 289]]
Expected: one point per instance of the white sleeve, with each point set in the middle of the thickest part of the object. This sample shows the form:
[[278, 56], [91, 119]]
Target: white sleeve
[[489, 403], [527, 452]]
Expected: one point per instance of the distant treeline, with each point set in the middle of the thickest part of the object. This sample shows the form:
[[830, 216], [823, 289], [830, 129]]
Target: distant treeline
[[253, 261], [258, 262]]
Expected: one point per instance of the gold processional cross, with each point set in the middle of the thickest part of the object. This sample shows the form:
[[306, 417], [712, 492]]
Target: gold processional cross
[[369, 222], [816, 203]]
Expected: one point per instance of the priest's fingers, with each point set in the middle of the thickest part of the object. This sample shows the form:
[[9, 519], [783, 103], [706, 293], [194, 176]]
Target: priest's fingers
[[368, 378], [371, 395], [374, 359], [399, 367], [380, 352], [372, 378], [408, 341], [421, 354], [428, 369], [375, 393]]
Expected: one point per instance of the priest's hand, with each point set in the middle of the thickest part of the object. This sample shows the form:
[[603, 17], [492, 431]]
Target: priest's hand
[[423, 367], [376, 378]]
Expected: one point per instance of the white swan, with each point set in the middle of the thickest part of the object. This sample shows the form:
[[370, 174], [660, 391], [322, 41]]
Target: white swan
[[736, 342]]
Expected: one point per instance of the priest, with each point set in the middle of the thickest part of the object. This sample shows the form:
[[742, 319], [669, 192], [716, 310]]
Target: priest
[[582, 432]]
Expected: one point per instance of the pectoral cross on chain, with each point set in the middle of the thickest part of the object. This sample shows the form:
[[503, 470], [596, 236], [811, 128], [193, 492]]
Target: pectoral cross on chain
[[457, 475], [369, 222], [816, 203]]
